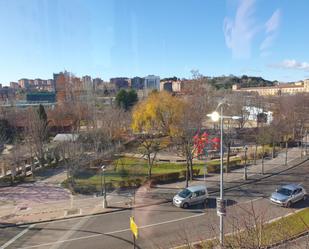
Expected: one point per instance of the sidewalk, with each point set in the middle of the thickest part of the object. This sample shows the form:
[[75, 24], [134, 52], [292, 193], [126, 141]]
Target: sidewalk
[[144, 196], [271, 166]]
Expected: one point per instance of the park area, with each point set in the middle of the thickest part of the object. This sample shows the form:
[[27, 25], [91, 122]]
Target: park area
[[132, 172]]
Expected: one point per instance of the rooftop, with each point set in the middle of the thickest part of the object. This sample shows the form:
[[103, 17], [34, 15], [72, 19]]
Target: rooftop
[[197, 187], [291, 186]]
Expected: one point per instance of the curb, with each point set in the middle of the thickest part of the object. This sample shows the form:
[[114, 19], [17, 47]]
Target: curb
[[3, 225], [306, 233]]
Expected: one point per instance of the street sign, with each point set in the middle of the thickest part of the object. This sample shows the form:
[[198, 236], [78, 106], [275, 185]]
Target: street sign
[[221, 210], [133, 227]]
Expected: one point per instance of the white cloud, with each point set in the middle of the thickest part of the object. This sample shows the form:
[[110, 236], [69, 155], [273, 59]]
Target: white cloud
[[267, 42], [240, 30], [292, 64], [273, 22], [271, 27]]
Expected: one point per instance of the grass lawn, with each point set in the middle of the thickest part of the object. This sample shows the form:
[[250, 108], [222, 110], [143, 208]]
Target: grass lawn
[[126, 168], [271, 233]]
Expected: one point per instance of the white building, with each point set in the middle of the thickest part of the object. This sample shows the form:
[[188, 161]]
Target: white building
[[152, 82], [253, 113]]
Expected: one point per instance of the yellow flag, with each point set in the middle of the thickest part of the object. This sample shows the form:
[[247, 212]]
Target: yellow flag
[[133, 227]]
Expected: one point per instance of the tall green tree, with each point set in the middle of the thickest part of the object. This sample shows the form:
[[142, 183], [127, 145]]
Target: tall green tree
[[126, 99], [42, 114], [6, 131], [43, 121]]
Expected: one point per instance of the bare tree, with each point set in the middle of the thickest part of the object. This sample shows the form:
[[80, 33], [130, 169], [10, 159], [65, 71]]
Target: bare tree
[[150, 145], [36, 130], [189, 124]]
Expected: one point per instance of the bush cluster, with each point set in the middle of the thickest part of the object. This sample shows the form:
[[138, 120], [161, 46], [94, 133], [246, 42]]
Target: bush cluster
[[215, 168], [93, 188]]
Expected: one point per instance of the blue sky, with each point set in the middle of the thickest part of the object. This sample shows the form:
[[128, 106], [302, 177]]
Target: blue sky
[[107, 38]]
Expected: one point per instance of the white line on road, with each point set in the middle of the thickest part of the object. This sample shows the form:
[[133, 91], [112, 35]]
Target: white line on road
[[16, 237], [69, 233], [259, 198], [113, 232]]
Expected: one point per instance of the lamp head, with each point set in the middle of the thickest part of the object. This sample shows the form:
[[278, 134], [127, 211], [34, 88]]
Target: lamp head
[[236, 117], [215, 116]]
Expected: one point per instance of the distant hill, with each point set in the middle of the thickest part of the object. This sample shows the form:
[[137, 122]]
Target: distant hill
[[227, 82], [224, 82]]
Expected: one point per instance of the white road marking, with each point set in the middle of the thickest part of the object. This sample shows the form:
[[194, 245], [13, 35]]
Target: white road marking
[[69, 233], [252, 200], [16, 237], [113, 232]]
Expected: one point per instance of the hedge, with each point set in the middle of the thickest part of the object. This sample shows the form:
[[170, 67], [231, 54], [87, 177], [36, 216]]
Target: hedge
[[215, 168], [95, 188], [174, 176]]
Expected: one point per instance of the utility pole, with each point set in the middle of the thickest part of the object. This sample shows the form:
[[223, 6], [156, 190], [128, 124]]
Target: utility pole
[[221, 211], [221, 173], [104, 184], [245, 166], [306, 142], [286, 153], [263, 159]]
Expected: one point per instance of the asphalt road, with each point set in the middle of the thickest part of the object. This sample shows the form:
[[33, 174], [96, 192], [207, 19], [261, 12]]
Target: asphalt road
[[161, 226]]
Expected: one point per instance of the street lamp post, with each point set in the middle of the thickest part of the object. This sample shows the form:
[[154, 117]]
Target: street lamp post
[[103, 192], [245, 167], [221, 173], [215, 116], [306, 143]]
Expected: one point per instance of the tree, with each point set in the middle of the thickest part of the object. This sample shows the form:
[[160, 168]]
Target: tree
[[239, 106], [187, 127], [43, 120], [164, 114], [126, 99], [132, 98], [158, 114], [36, 130], [6, 132], [150, 145], [292, 110], [155, 117]]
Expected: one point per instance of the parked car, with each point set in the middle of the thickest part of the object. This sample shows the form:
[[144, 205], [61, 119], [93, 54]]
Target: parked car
[[288, 194], [191, 196]]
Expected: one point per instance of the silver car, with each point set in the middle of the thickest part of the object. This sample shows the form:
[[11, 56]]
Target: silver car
[[191, 196], [288, 194]]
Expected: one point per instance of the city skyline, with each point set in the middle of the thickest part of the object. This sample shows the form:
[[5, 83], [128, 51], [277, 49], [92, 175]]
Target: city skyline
[[121, 38]]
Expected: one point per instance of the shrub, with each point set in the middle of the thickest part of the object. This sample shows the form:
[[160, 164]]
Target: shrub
[[183, 173], [213, 168], [166, 177], [138, 182], [89, 189], [123, 172], [196, 172], [122, 184]]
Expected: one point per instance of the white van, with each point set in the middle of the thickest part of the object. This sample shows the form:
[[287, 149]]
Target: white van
[[191, 196]]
